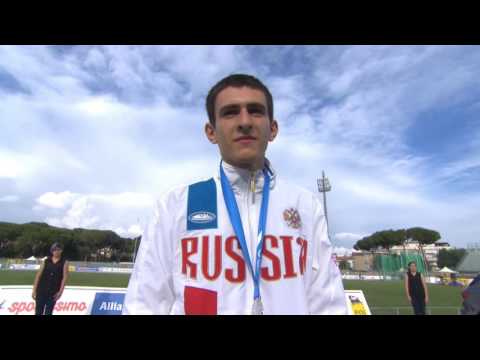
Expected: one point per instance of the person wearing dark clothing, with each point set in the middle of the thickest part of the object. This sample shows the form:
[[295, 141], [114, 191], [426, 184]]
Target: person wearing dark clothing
[[50, 281], [416, 289]]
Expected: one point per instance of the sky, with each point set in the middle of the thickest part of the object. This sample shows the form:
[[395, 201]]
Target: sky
[[90, 136]]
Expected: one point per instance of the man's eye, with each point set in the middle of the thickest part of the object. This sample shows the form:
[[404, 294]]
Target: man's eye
[[257, 112], [230, 113], [256, 109]]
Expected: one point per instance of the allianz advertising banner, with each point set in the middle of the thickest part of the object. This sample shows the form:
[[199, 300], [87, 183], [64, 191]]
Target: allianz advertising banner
[[79, 300], [76, 300]]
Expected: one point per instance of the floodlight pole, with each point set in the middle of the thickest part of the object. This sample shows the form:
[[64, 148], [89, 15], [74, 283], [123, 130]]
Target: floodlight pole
[[134, 250], [134, 255], [323, 187]]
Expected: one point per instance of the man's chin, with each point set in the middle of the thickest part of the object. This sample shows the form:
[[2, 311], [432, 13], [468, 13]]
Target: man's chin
[[247, 161]]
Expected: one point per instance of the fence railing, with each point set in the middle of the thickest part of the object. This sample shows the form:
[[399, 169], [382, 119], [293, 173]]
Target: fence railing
[[5, 262]]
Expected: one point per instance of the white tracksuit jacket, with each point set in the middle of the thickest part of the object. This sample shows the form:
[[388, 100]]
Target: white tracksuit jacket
[[190, 262]]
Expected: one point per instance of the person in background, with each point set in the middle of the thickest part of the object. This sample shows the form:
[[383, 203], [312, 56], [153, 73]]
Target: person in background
[[416, 289], [454, 281], [50, 281]]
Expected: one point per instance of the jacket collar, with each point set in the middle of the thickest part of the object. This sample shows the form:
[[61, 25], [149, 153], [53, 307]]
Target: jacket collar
[[240, 179]]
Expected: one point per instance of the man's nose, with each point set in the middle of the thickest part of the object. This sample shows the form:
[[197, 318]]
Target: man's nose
[[245, 121]]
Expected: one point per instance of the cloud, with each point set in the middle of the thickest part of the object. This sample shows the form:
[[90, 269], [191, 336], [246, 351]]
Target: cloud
[[132, 232], [56, 200], [457, 168], [378, 192], [16, 165], [96, 131], [79, 215], [101, 106], [349, 237], [135, 230], [9, 198], [100, 211], [342, 251], [41, 73]]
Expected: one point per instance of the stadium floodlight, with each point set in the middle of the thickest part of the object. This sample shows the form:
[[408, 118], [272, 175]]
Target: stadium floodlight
[[324, 184], [323, 187]]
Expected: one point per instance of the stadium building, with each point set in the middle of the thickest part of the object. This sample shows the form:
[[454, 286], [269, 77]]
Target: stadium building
[[431, 251]]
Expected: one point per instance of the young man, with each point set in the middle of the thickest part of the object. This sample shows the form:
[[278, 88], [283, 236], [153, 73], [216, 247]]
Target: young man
[[244, 241]]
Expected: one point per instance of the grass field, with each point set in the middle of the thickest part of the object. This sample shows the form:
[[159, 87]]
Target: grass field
[[383, 297], [391, 294]]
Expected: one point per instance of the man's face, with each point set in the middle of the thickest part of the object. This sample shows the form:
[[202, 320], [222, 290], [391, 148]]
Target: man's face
[[242, 126]]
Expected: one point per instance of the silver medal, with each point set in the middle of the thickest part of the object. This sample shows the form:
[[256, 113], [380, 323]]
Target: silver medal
[[257, 308]]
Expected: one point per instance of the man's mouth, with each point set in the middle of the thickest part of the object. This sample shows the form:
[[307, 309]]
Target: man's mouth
[[245, 139]]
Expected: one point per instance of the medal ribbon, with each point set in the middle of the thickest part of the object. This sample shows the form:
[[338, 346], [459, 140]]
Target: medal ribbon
[[236, 221]]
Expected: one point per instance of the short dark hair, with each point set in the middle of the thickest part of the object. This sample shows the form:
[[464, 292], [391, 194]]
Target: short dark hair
[[56, 246], [408, 266], [237, 80]]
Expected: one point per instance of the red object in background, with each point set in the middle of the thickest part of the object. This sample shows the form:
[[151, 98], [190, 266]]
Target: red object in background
[[200, 301]]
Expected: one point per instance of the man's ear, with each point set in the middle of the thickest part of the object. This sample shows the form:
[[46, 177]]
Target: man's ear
[[273, 130], [210, 132]]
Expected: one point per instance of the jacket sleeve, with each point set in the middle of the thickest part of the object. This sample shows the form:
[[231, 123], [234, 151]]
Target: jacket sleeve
[[325, 295], [150, 289]]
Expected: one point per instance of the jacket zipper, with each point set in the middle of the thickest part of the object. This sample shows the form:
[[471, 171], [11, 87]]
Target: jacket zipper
[[252, 186]]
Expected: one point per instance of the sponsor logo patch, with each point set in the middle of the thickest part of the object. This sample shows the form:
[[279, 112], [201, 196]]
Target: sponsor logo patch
[[201, 217]]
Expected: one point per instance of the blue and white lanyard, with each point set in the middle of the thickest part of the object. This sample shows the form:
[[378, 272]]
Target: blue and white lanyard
[[236, 221]]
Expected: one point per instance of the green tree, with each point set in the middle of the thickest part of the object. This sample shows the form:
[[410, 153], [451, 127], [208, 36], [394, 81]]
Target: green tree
[[385, 239], [450, 258], [363, 244], [25, 240], [424, 237]]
